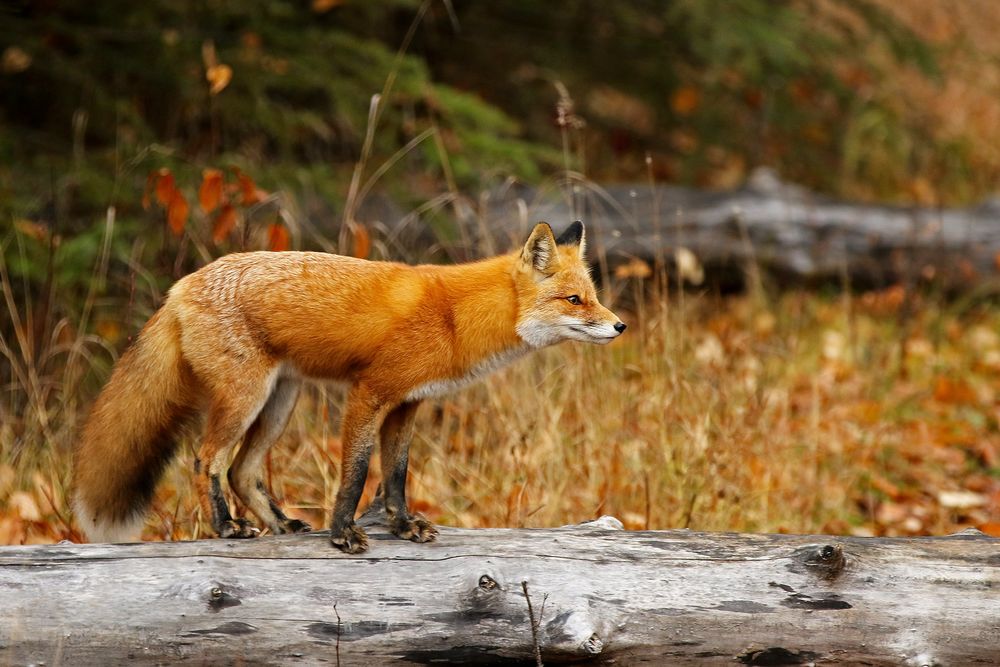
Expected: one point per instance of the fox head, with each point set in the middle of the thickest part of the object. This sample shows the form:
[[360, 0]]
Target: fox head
[[556, 296]]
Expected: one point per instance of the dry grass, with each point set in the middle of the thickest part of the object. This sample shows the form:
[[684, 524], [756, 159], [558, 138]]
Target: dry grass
[[800, 413]]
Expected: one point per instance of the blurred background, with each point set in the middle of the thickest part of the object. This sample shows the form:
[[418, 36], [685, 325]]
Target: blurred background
[[138, 141]]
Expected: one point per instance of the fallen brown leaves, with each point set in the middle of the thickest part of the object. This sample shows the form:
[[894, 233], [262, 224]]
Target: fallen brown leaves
[[851, 415]]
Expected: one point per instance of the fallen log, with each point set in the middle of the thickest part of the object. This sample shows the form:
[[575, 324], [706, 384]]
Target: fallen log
[[596, 593], [779, 229]]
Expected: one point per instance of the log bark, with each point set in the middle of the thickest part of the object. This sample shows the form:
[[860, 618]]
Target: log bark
[[597, 594], [780, 229]]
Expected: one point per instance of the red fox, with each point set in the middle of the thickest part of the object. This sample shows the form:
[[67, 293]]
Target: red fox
[[237, 338]]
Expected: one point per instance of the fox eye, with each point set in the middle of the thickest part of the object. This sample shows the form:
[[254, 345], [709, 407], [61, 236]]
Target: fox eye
[[574, 299]]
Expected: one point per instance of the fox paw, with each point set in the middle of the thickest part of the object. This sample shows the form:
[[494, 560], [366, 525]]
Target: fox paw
[[238, 529], [413, 527], [350, 539], [292, 526]]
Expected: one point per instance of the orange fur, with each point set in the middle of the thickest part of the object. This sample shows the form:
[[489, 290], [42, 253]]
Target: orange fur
[[240, 334]]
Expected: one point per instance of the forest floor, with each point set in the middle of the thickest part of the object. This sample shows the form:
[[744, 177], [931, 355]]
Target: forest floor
[[872, 414]]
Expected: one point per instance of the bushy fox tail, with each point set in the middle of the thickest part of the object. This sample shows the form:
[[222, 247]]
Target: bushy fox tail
[[129, 437]]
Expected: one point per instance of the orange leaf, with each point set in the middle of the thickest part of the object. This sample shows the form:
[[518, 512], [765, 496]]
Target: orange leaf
[[320, 6], [885, 486], [991, 528], [922, 191], [177, 213], [110, 330], [685, 100], [955, 392], [224, 223], [277, 237], [210, 192], [35, 230], [634, 268], [251, 195], [218, 77], [424, 505], [12, 530], [165, 187], [16, 59], [967, 270], [362, 242]]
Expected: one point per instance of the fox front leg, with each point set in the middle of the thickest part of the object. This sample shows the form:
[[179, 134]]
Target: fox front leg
[[395, 437], [363, 416]]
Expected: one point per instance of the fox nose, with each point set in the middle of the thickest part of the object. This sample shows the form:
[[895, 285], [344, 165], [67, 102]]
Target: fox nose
[[620, 327]]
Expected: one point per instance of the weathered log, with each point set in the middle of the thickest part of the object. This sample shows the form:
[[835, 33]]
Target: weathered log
[[780, 229], [597, 593]]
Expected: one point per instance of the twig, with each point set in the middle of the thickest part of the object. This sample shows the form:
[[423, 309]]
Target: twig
[[534, 626], [49, 496], [374, 112], [338, 633]]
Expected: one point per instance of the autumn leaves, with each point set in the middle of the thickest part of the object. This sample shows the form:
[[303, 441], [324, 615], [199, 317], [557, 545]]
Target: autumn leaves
[[224, 198]]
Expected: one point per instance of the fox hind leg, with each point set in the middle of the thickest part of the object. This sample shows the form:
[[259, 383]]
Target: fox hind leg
[[395, 436], [230, 415], [213, 456], [246, 474]]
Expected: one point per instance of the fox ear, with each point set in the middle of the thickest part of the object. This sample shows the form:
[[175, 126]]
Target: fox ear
[[540, 251], [574, 235]]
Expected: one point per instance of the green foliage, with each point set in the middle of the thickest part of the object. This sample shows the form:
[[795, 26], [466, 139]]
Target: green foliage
[[113, 91], [487, 140], [95, 96], [124, 75], [709, 86]]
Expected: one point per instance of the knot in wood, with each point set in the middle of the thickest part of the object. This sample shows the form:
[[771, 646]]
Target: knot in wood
[[776, 655], [219, 599], [826, 561], [487, 583], [593, 645]]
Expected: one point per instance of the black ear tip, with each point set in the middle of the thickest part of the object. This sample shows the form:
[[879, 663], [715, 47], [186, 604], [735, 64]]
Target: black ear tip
[[573, 234]]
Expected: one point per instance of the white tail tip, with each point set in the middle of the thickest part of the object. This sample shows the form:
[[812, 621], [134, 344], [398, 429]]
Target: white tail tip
[[103, 530]]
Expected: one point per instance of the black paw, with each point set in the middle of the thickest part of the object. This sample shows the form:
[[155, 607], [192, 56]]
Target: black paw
[[292, 526], [413, 527], [238, 529], [350, 539]]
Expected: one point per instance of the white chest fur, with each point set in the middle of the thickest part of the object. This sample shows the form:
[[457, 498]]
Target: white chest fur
[[444, 386]]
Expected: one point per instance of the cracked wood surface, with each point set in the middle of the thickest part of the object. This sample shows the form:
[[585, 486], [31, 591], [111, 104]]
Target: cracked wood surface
[[598, 594]]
